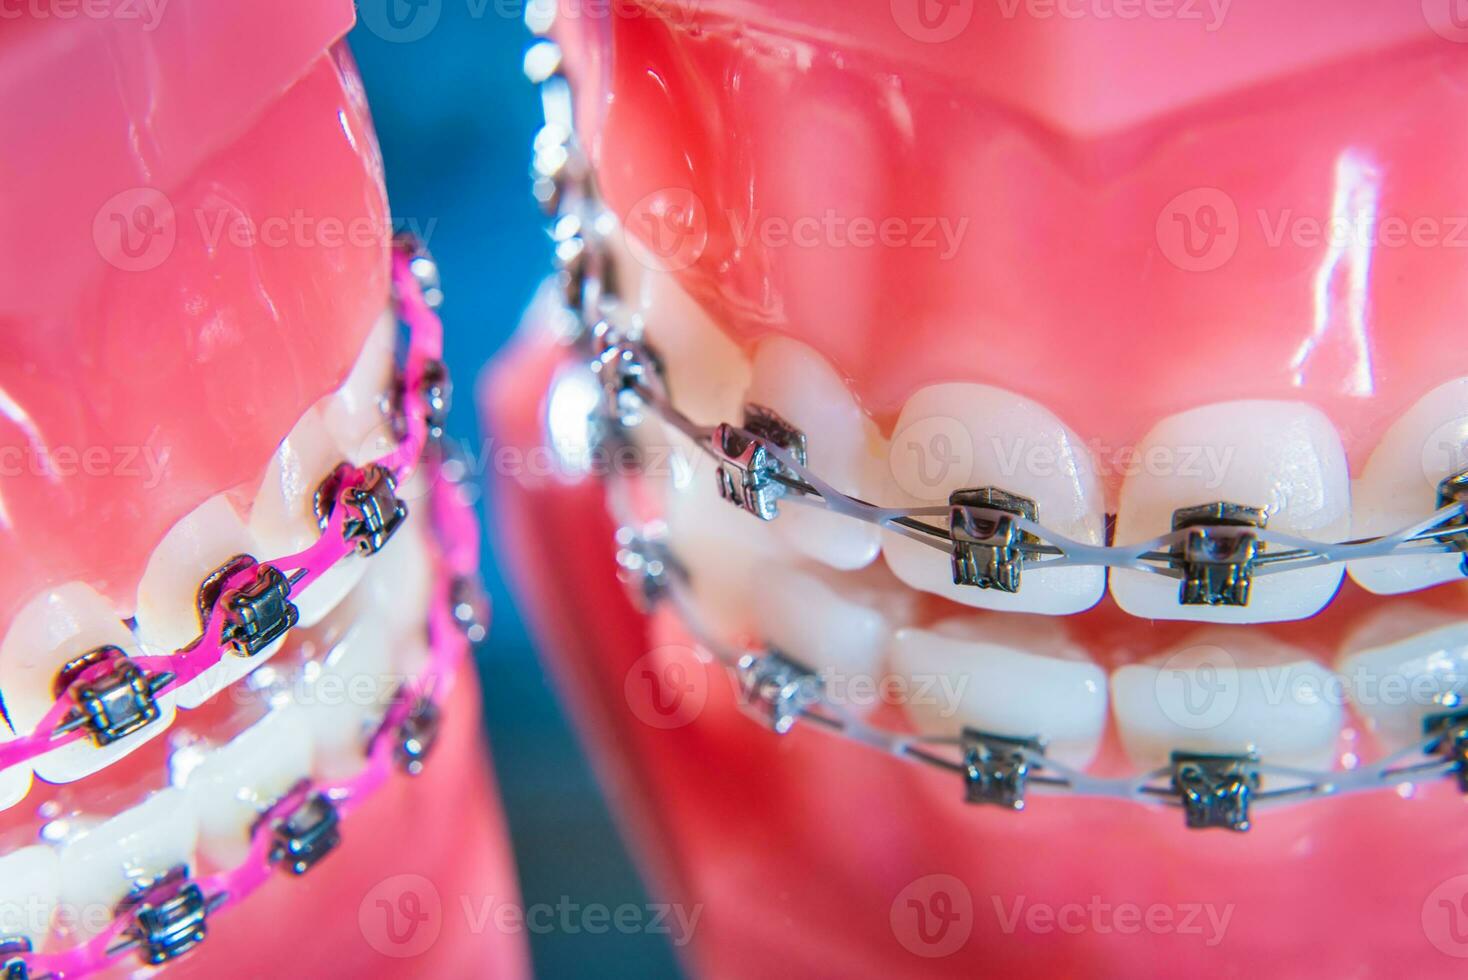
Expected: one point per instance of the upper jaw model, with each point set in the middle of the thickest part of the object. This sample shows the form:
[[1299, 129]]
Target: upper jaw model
[[237, 585], [964, 392]]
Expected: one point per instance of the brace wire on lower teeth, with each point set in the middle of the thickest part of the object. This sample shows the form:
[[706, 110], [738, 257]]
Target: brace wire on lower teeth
[[167, 916], [1215, 550], [1213, 790]]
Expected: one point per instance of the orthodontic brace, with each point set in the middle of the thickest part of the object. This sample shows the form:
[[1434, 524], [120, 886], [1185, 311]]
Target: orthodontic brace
[[986, 541], [749, 477], [242, 606], [114, 696], [1215, 551], [256, 612]]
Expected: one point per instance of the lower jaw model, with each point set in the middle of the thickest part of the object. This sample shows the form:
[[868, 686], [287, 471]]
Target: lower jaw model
[[240, 730], [1066, 476]]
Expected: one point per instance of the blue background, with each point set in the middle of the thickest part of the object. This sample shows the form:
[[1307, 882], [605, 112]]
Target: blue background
[[455, 117]]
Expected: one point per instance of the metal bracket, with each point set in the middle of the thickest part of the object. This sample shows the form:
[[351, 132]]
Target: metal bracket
[[169, 917], [258, 614], [1454, 490], [470, 607], [12, 966], [305, 835], [1451, 731], [1217, 556], [416, 734], [997, 767], [110, 704], [625, 365], [374, 512], [747, 474], [646, 566], [1215, 790], [422, 265], [437, 390], [776, 689], [987, 549]]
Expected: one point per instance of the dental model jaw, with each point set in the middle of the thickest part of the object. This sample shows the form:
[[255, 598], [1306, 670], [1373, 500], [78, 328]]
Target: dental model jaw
[[239, 583], [1078, 380]]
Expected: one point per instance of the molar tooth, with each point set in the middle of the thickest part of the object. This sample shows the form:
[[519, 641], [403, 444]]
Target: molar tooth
[[1402, 664], [844, 449], [231, 785], [959, 436], [100, 866], [30, 884], [55, 627], [358, 414], [839, 625], [1226, 691], [167, 608], [1011, 675], [1285, 457], [1398, 487]]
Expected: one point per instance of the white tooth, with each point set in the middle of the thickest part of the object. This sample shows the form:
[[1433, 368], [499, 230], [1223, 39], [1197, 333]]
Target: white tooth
[[231, 785], [15, 782], [357, 414], [167, 609], [1398, 488], [845, 449], [958, 436], [397, 586], [283, 516], [1016, 676], [30, 884], [347, 697], [1283, 456], [1402, 664], [100, 866], [56, 626], [724, 549], [707, 373], [327, 592], [1227, 692], [837, 624]]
